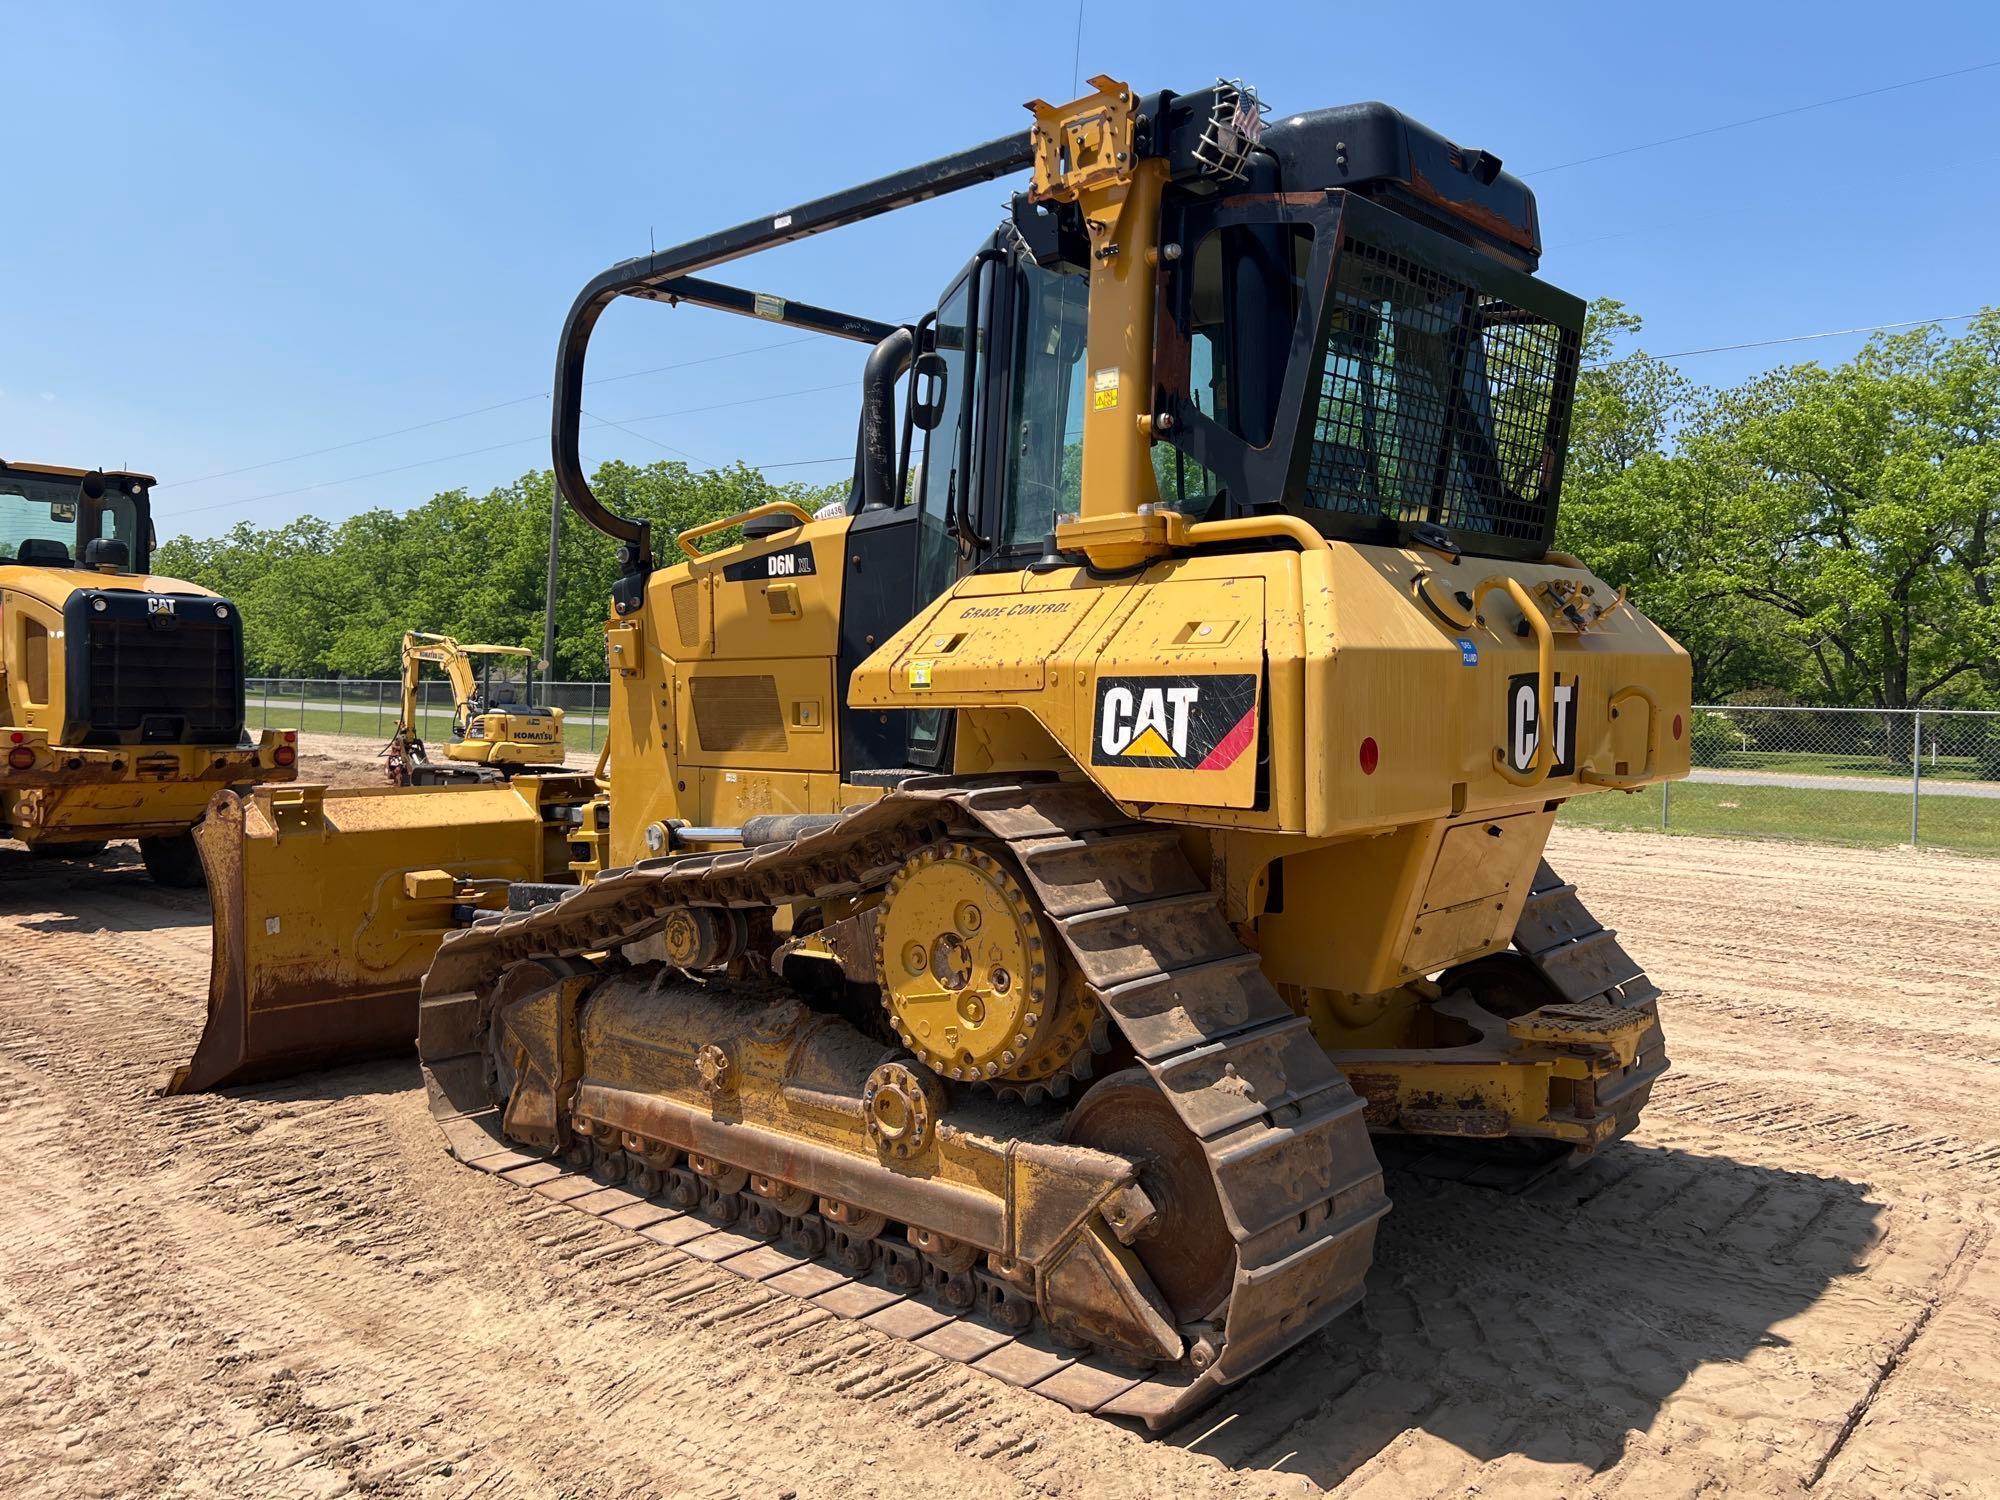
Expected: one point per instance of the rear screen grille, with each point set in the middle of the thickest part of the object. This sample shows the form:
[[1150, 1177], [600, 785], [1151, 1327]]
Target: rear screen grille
[[1438, 402], [182, 684]]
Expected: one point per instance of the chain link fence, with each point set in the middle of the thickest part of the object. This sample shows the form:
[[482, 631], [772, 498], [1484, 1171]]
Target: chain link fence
[[369, 707], [1827, 775], [1830, 775]]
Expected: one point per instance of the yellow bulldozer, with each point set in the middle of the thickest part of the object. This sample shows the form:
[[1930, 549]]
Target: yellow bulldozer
[[123, 692], [496, 729], [1020, 892]]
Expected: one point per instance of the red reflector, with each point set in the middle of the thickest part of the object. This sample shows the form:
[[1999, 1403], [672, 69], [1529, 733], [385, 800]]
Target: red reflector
[[20, 757], [284, 755], [291, 736], [1370, 756], [17, 737], [1677, 726]]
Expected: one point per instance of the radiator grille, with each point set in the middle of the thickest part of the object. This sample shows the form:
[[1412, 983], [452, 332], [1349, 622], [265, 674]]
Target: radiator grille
[[738, 713], [148, 685]]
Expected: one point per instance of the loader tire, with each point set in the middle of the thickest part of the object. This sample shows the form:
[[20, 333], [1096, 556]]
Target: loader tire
[[68, 851], [173, 861]]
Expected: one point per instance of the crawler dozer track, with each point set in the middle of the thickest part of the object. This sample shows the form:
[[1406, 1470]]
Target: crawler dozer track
[[1183, 1222], [1567, 982], [1598, 983]]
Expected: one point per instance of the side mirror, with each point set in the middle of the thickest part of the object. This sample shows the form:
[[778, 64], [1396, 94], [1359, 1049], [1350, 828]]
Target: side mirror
[[927, 405]]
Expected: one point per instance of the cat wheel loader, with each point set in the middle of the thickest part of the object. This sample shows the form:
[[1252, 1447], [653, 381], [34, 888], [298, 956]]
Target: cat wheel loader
[[495, 729], [1020, 895], [122, 692]]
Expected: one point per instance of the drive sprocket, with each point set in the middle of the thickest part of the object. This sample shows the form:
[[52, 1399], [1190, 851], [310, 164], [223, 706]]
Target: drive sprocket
[[973, 981]]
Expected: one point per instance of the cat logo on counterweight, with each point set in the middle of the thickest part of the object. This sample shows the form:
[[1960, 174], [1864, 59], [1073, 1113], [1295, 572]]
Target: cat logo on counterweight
[[1194, 723]]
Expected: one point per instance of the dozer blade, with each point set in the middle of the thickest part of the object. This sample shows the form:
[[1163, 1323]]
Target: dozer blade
[[328, 905]]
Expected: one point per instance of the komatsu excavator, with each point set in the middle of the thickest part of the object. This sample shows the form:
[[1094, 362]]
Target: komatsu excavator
[[121, 693], [496, 729], [1019, 894]]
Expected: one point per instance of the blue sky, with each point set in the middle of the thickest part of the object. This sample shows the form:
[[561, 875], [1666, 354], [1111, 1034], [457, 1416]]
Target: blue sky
[[237, 234]]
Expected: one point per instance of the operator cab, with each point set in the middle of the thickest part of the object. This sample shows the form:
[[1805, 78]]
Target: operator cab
[[1334, 321], [54, 517], [504, 684], [1347, 331]]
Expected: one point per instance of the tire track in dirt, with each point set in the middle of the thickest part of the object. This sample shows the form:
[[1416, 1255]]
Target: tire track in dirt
[[1720, 1303], [399, 1322]]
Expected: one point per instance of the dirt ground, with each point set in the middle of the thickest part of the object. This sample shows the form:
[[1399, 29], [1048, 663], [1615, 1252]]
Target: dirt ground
[[1783, 1283]]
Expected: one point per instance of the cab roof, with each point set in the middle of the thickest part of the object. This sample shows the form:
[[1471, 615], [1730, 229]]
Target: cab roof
[[63, 471]]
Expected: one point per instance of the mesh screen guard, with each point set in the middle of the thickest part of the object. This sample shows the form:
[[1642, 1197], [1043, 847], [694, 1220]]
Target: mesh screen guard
[[1421, 381], [1437, 401]]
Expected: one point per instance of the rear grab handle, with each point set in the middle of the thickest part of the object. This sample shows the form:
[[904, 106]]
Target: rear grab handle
[[693, 534]]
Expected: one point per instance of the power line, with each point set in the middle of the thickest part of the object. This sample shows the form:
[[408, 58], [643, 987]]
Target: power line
[[690, 411], [305, 489], [643, 437], [518, 442], [1076, 55], [1800, 338], [1076, 63], [1777, 114], [479, 411]]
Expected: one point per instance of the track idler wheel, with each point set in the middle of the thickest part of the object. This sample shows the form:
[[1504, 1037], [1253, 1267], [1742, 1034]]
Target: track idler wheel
[[1185, 1244], [972, 978], [534, 1054]]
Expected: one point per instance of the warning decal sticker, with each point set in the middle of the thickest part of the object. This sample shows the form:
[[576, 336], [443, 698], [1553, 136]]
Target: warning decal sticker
[[1194, 723]]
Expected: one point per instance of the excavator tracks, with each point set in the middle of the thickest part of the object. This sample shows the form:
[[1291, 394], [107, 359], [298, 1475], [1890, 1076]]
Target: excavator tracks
[[1273, 1123]]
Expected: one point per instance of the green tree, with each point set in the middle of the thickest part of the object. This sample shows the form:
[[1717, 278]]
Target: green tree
[[320, 599], [1644, 516], [1862, 503]]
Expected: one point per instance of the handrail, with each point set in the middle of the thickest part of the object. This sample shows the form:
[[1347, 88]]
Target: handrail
[[689, 537], [1242, 528], [1545, 677], [1645, 773], [655, 276]]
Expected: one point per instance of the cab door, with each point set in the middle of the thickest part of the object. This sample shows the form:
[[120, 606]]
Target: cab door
[[903, 557]]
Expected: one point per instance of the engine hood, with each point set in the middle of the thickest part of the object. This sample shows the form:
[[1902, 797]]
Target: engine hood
[[53, 586]]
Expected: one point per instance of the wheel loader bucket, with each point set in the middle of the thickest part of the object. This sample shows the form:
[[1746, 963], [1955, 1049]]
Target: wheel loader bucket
[[328, 905]]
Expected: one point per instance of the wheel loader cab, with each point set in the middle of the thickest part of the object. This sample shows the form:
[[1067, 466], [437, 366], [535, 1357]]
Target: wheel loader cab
[[62, 518]]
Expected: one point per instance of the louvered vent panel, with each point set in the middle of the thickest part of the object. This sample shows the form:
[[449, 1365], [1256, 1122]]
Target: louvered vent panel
[[738, 713], [687, 614]]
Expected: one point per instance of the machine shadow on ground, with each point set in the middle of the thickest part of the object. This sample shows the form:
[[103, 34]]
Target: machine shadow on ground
[[1553, 1323], [48, 884]]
